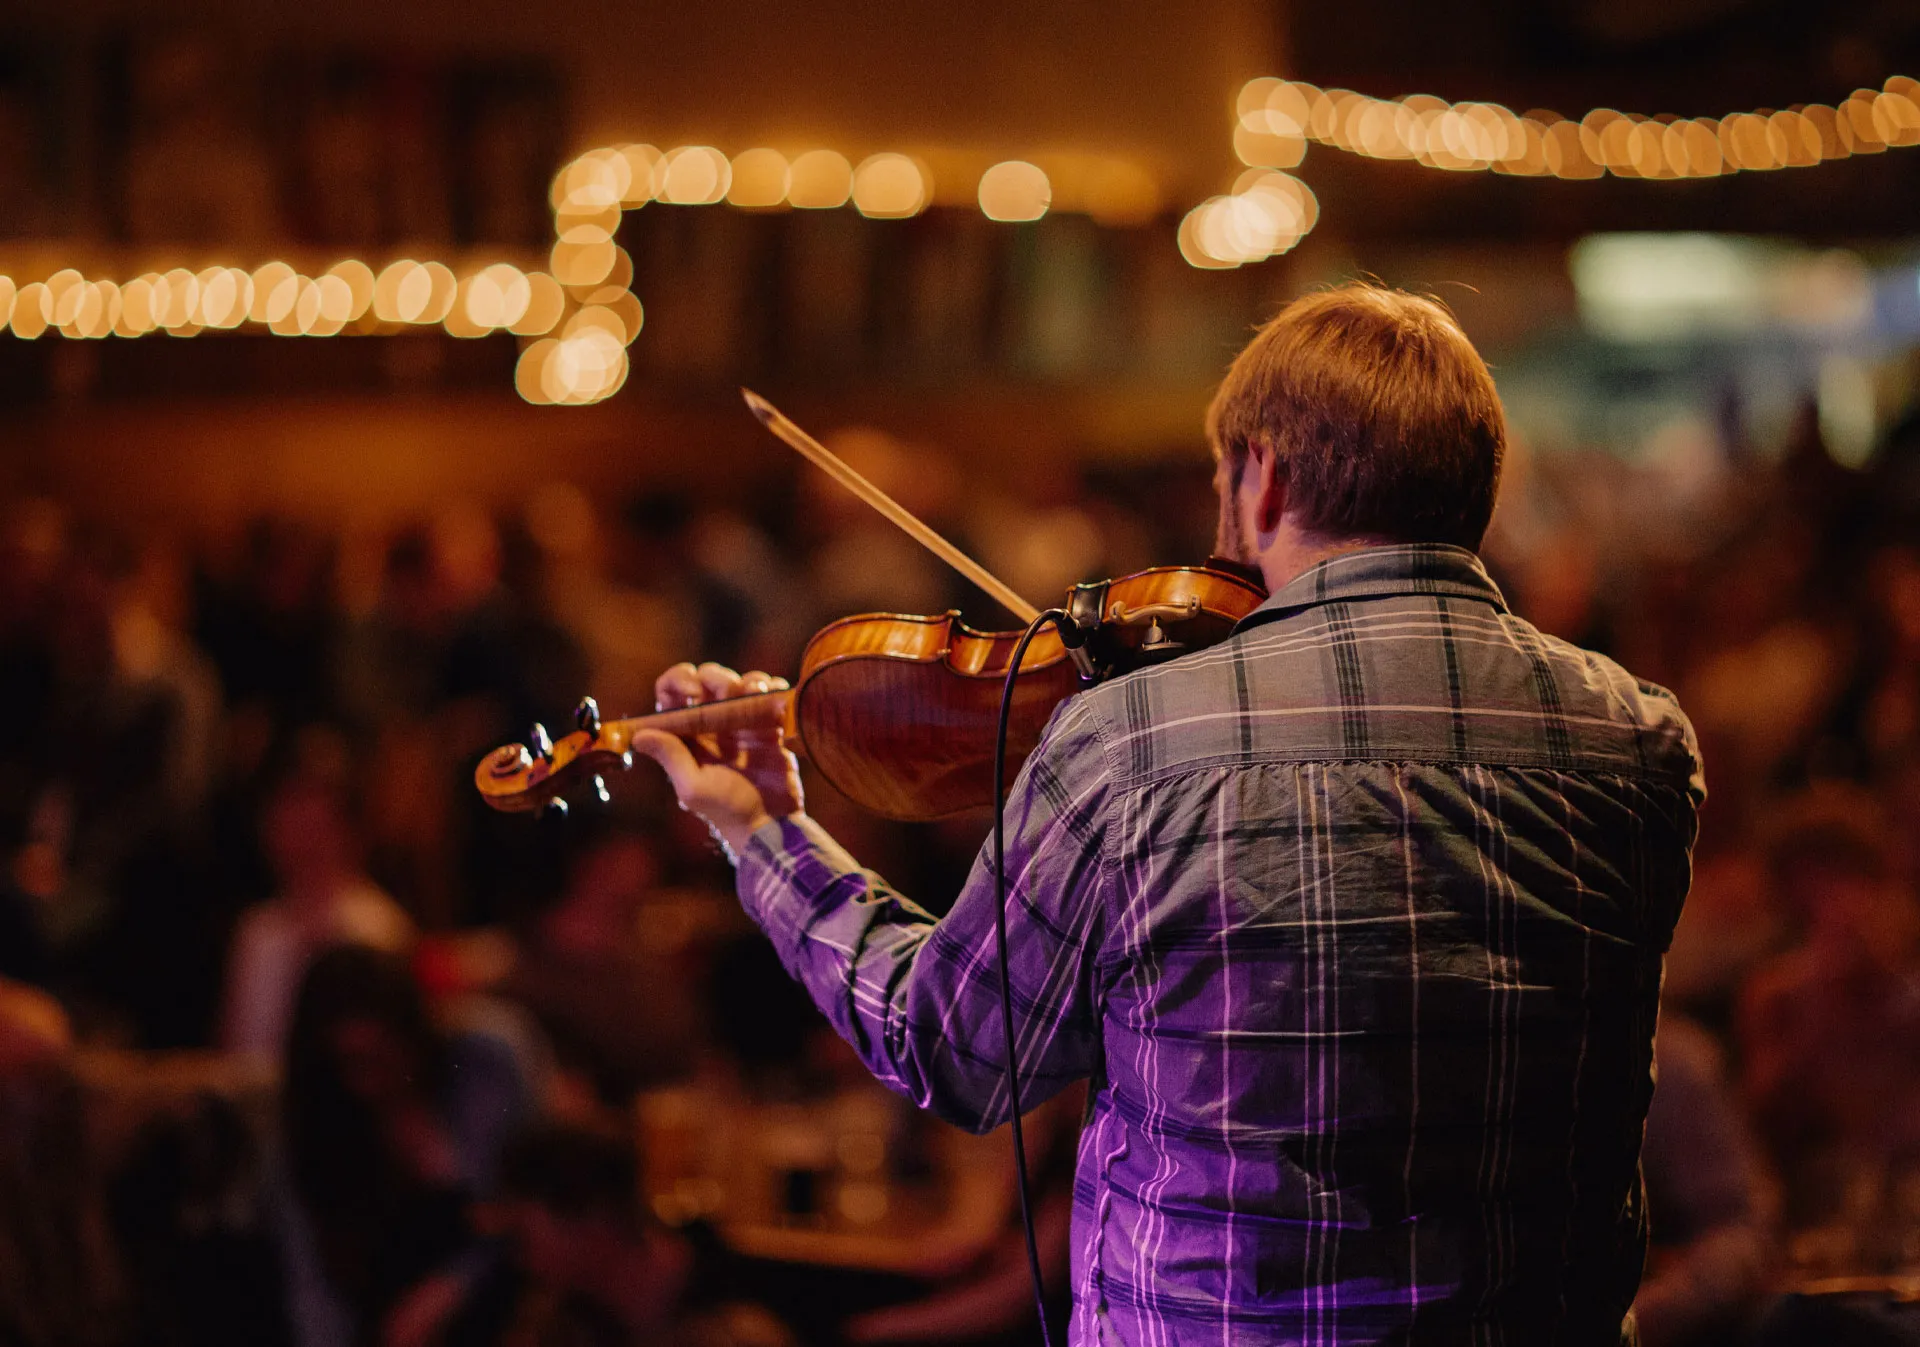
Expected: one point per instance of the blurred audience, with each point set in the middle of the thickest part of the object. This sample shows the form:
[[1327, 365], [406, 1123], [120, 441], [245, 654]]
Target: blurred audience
[[616, 1016], [59, 1279], [595, 1269], [247, 746], [324, 900], [1712, 1206], [393, 1128], [1830, 1028]]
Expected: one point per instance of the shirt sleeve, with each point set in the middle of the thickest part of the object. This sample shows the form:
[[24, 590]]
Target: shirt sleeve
[[919, 999]]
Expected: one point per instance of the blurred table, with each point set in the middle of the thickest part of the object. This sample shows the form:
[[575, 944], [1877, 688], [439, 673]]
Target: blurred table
[[855, 1180]]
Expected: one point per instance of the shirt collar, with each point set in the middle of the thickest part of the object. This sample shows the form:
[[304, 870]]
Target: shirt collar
[[1377, 572]]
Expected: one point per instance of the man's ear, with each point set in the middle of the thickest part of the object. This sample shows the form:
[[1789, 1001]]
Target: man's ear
[[1270, 480]]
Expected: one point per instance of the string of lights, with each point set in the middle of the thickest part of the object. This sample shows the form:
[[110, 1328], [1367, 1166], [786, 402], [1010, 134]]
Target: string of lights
[[1275, 119], [587, 360], [580, 314]]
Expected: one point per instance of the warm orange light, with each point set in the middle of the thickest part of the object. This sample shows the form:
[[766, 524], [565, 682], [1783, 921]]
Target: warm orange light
[[1702, 139], [283, 302], [581, 263], [1264, 147], [820, 180], [360, 282], [696, 175], [891, 187], [219, 302], [266, 279], [442, 283], [546, 301], [182, 297], [497, 296], [459, 322], [1189, 240], [307, 309], [585, 366], [529, 373], [1896, 119], [597, 179], [1015, 191], [65, 289], [643, 174], [32, 310], [1121, 193], [760, 179], [1746, 144], [136, 307]]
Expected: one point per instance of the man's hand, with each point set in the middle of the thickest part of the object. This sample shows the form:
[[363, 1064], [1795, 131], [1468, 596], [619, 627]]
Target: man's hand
[[736, 782]]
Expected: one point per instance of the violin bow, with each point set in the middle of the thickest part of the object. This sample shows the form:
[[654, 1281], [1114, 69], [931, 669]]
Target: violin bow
[[829, 462]]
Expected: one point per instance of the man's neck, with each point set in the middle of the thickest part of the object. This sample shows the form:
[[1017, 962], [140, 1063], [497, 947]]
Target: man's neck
[[1291, 553]]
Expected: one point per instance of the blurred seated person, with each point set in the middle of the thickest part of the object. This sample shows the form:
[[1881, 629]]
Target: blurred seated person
[[324, 900], [1831, 1030], [59, 1286], [593, 1269], [618, 1017], [1709, 1203], [392, 1128], [24, 953], [190, 1220]]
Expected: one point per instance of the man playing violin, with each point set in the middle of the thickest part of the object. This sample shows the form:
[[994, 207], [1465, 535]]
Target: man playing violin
[[1354, 921]]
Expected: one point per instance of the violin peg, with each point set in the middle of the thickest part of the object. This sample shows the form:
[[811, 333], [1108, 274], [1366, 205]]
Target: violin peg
[[586, 716], [600, 790], [538, 741], [556, 808]]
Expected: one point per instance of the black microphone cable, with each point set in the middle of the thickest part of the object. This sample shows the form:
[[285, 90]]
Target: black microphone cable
[[1072, 636]]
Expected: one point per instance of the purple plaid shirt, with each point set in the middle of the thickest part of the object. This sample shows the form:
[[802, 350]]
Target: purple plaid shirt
[[1356, 922]]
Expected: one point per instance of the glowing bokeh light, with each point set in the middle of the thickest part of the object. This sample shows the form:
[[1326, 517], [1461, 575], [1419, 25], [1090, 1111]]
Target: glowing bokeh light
[[32, 310], [360, 282], [498, 296], [266, 279], [643, 174], [820, 180], [1015, 191], [696, 175], [891, 187], [761, 178], [441, 285], [546, 302], [136, 307], [581, 263]]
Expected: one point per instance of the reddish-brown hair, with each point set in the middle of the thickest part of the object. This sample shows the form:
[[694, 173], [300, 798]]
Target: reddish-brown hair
[[1383, 417]]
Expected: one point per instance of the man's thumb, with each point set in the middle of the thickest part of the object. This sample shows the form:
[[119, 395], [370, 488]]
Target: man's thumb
[[673, 755]]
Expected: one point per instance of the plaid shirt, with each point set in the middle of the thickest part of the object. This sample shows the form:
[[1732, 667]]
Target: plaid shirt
[[1356, 922]]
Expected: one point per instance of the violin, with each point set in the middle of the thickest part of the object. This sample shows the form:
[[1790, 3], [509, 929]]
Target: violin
[[899, 713]]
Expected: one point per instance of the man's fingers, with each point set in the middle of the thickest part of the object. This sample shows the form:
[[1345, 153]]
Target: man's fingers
[[758, 681], [673, 755], [719, 681], [678, 686]]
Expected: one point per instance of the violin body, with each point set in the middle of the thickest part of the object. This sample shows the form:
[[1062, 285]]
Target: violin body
[[899, 713]]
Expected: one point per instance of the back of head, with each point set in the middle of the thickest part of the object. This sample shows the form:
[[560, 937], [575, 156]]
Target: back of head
[[1383, 417]]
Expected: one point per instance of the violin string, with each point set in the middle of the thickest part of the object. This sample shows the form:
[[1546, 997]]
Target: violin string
[[827, 461]]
